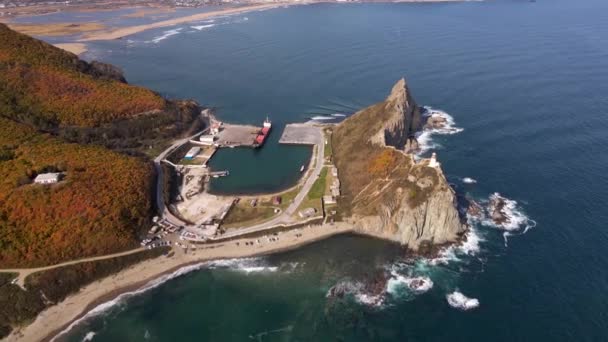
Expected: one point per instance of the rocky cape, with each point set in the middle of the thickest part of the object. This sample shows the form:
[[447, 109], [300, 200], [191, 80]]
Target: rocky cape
[[386, 192]]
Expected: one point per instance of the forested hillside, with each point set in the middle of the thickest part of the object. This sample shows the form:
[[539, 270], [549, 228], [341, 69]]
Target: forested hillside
[[61, 114], [46, 86], [99, 207]]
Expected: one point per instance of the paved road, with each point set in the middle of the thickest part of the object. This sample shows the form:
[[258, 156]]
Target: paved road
[[160, 202], [24, 272], [285, 217]]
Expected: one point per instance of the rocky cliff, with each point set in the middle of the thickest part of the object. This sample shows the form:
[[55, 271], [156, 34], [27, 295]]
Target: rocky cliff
[[386, 192]]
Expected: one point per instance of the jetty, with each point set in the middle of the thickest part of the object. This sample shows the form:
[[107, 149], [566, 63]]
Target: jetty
[[300, 134]]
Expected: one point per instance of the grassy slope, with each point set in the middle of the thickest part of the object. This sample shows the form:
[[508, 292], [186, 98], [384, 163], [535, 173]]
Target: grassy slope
[[370, 174]]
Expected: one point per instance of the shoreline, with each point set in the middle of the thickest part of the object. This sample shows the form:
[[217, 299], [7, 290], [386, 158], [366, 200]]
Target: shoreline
[[54, 320], [130, 30]]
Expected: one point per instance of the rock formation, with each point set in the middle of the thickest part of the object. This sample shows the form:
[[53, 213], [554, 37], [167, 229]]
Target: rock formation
[[386, 191]]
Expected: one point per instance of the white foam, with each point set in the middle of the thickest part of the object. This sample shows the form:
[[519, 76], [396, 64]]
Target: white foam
[[459, 301], [470, 246], [417, 285], [258, 269], [320, 117], [89, 336], [469, 180], [202, 27], [246, 265], [166, 35], [340, 115], [425, 138], [356, 290]]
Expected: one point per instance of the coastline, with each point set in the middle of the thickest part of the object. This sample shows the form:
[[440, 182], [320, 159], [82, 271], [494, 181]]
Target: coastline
[[75, 48], [130, 30], [57, 318]]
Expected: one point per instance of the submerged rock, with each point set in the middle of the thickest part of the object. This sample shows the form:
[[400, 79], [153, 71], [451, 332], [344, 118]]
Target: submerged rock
[[496, 210], [435, 121]]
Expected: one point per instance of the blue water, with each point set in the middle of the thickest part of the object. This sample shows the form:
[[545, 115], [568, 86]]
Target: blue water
[[528, 83]]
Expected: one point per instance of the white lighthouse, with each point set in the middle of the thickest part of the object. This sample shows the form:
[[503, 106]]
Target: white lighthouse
[[433, 161]]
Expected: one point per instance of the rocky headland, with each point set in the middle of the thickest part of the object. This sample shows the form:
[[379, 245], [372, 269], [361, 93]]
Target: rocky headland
[[387, 192]]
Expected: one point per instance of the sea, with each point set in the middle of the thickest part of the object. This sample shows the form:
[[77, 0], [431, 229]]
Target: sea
[[525, 85]]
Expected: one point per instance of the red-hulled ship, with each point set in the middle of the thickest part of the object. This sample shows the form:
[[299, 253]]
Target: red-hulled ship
[[261, 137]]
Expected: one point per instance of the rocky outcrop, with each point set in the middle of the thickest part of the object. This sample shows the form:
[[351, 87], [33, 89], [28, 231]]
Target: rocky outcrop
[[434, 218], [388, 193], [403, 119]]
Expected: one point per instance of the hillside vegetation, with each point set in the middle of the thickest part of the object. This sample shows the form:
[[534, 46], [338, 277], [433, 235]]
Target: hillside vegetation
[[60, 114], [46, 86], [99, 207]]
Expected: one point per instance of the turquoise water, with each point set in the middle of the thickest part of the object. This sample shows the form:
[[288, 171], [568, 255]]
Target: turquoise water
[[528, 83]]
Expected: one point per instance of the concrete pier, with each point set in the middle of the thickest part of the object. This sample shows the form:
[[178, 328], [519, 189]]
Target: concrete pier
[[300, 134]]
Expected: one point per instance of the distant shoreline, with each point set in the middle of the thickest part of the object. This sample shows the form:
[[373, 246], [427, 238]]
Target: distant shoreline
[[130, 30]]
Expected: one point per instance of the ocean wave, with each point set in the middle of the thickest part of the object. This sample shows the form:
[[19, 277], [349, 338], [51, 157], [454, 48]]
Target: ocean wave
[[89, 336], [468, 180], [166, 35], [340, 115], [469, 246], [247, 265], [459, 301], [202, 27], [417, 285], [425, 138], [516, 223], [322, 117]]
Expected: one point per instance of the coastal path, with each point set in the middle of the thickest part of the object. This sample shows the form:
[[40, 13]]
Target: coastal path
[[24, 272]]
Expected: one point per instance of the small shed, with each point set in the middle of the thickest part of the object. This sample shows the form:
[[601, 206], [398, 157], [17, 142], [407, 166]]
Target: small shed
[[47, 178]]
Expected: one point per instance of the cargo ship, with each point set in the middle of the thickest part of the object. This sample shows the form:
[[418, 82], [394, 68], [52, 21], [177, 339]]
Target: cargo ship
[[263, 134]]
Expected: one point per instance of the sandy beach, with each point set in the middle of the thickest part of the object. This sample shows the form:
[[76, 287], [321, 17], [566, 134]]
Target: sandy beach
[[127, 31], [75, 48], [57, 318]]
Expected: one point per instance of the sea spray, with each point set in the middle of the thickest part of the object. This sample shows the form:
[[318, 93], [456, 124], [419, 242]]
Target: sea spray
[[425, 137], [459, 301]]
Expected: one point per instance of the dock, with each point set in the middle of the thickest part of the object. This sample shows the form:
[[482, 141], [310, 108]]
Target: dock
[[216, 174], [237, 136], [300, 134]]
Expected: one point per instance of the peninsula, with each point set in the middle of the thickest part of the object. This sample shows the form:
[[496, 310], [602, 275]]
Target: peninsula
[[100, 198]]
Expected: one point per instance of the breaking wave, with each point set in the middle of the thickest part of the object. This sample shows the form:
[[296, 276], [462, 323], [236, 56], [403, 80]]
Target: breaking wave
[[425, 138], [89, 336], [468, 180], [166, 35], [246, 265], [417, 285], [202, 27], [459, 301], [516, 223], [322, 117], [470, 246]]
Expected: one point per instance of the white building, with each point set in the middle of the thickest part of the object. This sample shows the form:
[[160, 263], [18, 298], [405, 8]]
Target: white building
[[433, 161], [193, 152], [207, 139], [329, 200], [47, 178]]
